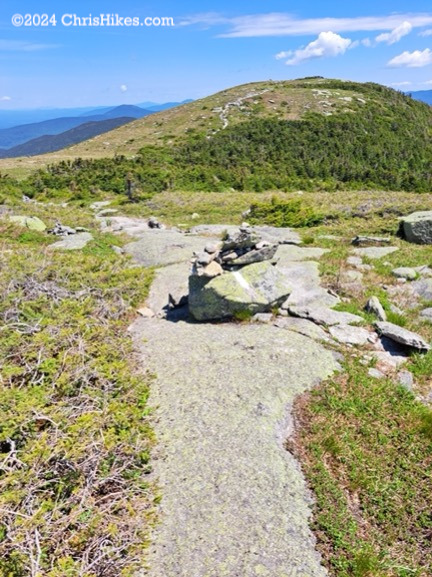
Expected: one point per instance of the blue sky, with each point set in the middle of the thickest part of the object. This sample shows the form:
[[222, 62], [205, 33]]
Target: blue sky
[[213, 45]]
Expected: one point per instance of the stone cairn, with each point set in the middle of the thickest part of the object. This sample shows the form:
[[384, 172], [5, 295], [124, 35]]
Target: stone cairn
[[233, 252]]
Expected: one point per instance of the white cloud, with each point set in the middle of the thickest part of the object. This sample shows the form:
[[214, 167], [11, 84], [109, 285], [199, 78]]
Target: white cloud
[[366, 42], [416, 59], [406, 83], [328, 44], [428, 82], [283, 24], [5, 98], [396, 34], [21, 46], [426, 32], [123, 88]]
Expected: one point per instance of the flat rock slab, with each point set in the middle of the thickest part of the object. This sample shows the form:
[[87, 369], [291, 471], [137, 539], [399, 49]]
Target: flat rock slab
[[163, 247], [287, 254], [402, 336], [325, 316], [305, 281], [349, 335], [170, 280], [234, 501], [303, 327], [72, 242], [375, 252], [135, 227]]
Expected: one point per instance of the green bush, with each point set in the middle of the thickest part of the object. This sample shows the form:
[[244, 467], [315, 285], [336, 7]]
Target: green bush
[[284, 213]]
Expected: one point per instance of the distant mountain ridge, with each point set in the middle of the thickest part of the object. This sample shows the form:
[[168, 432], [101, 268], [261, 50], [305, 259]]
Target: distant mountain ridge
[[13, 118], [15, 136], [423, 96], [52, 143]]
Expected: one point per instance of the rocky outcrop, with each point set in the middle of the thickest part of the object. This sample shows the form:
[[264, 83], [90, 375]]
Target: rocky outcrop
[[255, 288], [417, 227], [235, 276]]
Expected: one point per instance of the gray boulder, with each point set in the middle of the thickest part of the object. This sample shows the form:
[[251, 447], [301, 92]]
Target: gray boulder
[[256, 288], [417, 227], [402, 336], [30, 222], [375, 307], [405, 272]]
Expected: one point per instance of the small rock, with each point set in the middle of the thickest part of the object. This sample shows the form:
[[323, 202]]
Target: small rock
[[396, 310], [205, 258], [266, 253], [213, 247], [212, 270], [405, 273], [376, 374], [406, 379], [153, 222], [195, 216], [146, 312], [230, 256], [426, 315], [370, 240], [375, 307], [402, 336], [117, 249], [262, 318]]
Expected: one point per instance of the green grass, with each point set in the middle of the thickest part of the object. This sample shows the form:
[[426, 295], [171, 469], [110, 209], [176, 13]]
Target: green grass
[[366, 449], [75, 438]]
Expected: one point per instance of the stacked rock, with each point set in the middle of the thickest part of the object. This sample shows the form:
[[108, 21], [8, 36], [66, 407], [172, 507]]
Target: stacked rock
[[235, 251], [235, 277]]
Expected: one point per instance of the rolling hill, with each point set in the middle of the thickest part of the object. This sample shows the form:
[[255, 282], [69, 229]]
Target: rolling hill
[[272, 135]]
